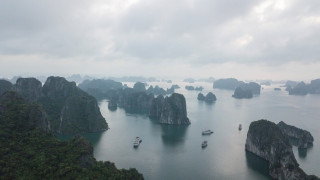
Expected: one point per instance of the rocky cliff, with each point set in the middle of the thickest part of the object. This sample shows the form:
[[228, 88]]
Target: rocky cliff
[[266, 140], [229, 83], [201, 97], [156, 107], [30, 88], [210, 97], [303, 137], [29, 150], [25, 115], [174, 110], [70, 110], [240, 93], [134, 101], [252, 86], [5, 86], [99, 88]]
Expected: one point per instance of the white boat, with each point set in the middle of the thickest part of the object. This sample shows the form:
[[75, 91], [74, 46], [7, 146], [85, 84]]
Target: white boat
[[240, 127], [137, 142], [207, 132], [204, 144]]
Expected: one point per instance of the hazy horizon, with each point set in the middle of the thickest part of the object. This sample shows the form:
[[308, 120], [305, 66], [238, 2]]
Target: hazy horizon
[[247, 40]]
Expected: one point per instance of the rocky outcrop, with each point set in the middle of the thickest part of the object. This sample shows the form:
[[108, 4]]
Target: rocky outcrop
[[5, 86], [99, 88], [30, 88], [314, 86], [33, 115], [210, 98], [156, 90], [200, 88], [70, 110], [189, 88], [134, 101], [175, 86], [112, 105], [174, 110], [156, 107], [300, 89], [240, 93], [201, 97], [29, 149], [189, 80], [266, 140], [229, 83], [252, 86], [139, 87], [303, 88], [303, 137]]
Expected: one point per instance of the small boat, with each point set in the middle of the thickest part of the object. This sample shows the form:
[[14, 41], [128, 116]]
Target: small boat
[[137, 142], [240, 127], [204, 144], [207, 132]]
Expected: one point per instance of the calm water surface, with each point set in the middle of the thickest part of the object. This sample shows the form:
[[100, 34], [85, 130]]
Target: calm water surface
[[174, 152]]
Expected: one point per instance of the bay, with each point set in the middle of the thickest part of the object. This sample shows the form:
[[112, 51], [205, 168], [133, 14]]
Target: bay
[[174, 152]]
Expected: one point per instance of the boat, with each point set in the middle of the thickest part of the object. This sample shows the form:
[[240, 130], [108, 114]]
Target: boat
[[137, 142], [240, 127], [204, 144], [207, 132]]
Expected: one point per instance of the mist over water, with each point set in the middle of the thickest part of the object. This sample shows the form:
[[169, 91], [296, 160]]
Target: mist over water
[[174, 152]]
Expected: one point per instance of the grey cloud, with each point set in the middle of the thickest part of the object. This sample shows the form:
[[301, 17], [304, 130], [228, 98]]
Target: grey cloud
[[195, 32]]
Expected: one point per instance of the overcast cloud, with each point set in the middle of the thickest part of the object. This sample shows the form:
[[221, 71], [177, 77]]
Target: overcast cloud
[[248, 39]]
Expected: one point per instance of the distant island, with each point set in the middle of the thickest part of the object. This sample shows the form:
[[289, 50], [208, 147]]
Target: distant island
[[209, 98], [303, 88]]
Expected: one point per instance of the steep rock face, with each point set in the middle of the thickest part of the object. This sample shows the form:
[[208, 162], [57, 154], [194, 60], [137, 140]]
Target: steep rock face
[[29, 115], [134, 101], [201, 97], [174, 110], [314, 87], [99, 88], [156, 90], [252, 86], [139, 86], [5, 86], [210, 97], [200, 88], [303, 137], [266, 140], [30, 88], [29, 150], [156, 107], [189, 88], [70, 109], [112, 105], [300, 89], [229, 83], [240, 93]]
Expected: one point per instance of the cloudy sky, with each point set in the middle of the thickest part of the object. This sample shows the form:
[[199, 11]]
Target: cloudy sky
[[248, 39]]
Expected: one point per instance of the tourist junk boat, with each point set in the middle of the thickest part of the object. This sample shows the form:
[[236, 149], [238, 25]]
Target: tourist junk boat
[[207, 132], [137, 142], [240, 127], [204, 144]]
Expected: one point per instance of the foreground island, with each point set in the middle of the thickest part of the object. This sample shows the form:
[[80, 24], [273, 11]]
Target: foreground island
[[266, 140], [30, 150]]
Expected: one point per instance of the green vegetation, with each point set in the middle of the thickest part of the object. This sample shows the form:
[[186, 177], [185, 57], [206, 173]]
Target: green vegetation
[[29, 150]]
